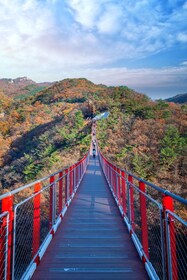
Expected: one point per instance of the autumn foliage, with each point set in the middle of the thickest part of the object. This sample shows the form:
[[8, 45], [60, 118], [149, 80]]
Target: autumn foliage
[[48, 128]]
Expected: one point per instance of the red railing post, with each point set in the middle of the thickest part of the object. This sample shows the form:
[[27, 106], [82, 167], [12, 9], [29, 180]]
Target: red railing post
[[51, 208], [170, 238], [36, 219], [74, 178], [115, 181], [7, 206], [131, 192], [143, 213], [60, 205], [79, 171], [76, 174], [123, 192], [74, 181], [70, 180], [119, 185], [66, 186]]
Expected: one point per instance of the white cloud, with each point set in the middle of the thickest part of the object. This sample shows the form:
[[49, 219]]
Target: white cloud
[[22, 22], [185, 5], [182, 37], [110, 22], [85, 12], [184, 63]]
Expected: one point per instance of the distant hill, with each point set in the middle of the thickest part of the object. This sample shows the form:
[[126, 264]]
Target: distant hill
[[180, 98], [21, 87]]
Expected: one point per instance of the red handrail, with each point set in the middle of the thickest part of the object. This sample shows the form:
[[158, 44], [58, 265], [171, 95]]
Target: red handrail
[[31, 212], [151, 223]]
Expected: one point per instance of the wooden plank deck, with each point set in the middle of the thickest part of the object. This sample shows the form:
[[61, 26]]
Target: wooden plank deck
[[92, 241]]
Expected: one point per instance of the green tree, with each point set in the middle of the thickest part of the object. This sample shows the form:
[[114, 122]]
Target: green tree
[[142, 165], [172, 145], [79, 119]]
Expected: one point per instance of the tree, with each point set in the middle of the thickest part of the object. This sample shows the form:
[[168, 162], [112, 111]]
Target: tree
[[171, 145]]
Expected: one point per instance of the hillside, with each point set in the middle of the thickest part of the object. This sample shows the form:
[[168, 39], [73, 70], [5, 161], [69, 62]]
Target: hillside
[[147, 138], [180, 98], [50, 130], [21, 87]]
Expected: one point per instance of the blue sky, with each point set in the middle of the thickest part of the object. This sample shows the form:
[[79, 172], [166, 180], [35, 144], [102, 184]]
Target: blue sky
[[138, 43]]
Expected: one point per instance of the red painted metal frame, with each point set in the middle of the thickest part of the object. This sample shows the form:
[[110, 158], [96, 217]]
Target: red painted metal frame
[[143, 213], [167, 203], [7, 206], [118, 186], [52, 179], [3, 244], [67, 182], [111, 172], [131, 197], [123, 182], [77, 174], [36, 219], [60, 205], [66, 186], [71, 180]]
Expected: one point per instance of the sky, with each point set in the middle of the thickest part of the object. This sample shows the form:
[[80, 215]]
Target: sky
[[138, 43]]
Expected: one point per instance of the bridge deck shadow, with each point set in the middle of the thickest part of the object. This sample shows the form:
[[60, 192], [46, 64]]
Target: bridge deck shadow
[[92, 241]]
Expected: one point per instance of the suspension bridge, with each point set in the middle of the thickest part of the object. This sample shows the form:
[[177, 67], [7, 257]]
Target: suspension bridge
[[92, 220]]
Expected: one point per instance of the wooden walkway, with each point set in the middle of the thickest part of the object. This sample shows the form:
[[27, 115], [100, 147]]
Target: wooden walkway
[[92, 242]]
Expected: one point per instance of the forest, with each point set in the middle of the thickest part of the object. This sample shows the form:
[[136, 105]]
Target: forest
[[46, 128]]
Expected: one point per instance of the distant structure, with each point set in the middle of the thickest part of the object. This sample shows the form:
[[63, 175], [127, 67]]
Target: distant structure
[[101, 116]]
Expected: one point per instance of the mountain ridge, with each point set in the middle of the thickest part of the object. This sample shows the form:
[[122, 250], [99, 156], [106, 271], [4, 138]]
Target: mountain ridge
[[50, 129], [179, 98], [20, 86]]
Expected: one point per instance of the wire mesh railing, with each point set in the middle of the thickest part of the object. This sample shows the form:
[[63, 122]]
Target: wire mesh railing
[[4, 222], [23, 247], [28, 224], [159, 234], [176, 229], [155, 237]]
